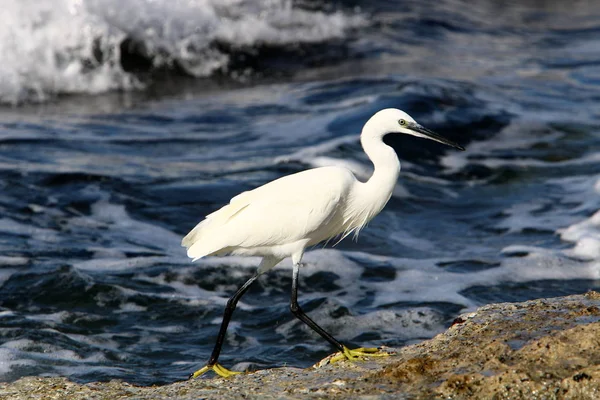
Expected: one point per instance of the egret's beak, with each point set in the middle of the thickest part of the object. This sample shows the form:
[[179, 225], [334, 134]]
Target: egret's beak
[[426, 133]]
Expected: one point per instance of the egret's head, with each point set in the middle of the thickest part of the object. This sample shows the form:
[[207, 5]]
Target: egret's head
[[392, 120]]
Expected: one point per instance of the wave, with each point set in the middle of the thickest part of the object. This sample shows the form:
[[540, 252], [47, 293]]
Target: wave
[[93, 46]]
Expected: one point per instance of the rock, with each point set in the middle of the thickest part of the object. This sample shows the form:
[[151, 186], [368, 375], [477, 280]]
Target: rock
[[540, 349]]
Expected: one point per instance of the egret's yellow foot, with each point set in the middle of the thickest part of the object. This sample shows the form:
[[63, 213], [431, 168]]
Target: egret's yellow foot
[[358, 354], [218, 368]]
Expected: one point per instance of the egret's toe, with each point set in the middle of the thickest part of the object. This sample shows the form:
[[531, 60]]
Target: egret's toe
[[358, 354], [217, 368]]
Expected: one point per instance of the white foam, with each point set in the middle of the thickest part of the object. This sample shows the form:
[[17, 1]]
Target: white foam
[[12, 227], [185, 293], [113, 265], [417, 322], [8, 360], [519, 216], [13, 261], [414, 323], [130, 307], [162, 329], [48, 42], [409, 241], [125, 235], [100, 341], [45, 351], [50, 319], [73, 46], [7, 314], [585, 235], [308, 152]]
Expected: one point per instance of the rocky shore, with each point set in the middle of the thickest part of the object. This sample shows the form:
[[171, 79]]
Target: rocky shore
[[540, 349]]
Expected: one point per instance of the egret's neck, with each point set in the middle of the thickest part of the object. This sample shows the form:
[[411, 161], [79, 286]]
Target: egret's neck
[[385, 162], [369, 198], [376, 192]]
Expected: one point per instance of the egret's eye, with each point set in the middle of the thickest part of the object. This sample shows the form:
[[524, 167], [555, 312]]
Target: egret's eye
[[402, 122]]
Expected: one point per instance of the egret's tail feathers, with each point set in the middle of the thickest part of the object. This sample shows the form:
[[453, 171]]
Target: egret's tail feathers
[[195, 234], [189, 239], [199, 242], [197, 253], [208, 237], [202, 246]]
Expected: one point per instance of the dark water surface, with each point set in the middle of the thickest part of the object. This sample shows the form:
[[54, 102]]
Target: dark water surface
[[96, 191]]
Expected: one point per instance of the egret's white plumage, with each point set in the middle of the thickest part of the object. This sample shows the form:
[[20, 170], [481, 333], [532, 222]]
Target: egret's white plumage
[[285, 216], [277, 219]]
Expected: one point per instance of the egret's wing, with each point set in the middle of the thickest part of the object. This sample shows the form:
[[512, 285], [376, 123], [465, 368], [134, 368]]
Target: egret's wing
[[283, 211], [288, 209]]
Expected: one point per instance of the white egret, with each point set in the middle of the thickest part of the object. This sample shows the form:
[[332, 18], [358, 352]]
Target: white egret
[[284, 217]]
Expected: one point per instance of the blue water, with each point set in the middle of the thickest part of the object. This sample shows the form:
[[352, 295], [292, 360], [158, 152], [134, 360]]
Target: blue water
[[97, 189]]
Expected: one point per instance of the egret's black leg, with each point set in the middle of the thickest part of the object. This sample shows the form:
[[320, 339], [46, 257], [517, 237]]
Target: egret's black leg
[[229, 308], [345, 353], [298, 313]]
